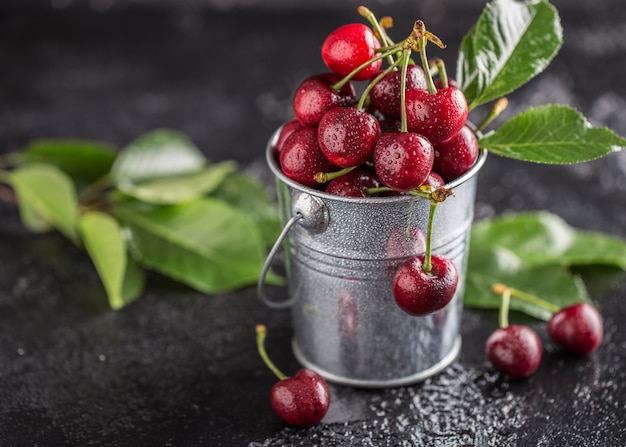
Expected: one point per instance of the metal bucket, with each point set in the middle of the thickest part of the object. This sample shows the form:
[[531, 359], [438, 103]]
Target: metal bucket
[[340, 257]]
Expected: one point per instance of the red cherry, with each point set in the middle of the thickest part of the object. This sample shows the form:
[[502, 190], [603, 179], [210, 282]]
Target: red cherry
[[301, 158], [353, 184], [577, 328], [385, 95], [434, 180], [288, 128], [301, 400], [420, 293], [315, 96], [514, 350], [438, 116], [347, 136], [456, 156], [403, 160], [348, 47]]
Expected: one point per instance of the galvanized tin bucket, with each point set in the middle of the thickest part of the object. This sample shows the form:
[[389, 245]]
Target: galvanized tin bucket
[[340, 255]]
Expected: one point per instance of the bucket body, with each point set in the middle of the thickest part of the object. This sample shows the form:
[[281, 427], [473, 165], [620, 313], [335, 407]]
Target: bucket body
[[340, 258]]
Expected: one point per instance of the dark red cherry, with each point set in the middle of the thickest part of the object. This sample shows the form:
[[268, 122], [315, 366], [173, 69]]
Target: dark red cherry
[[301, 400], [577, 328], [385, 95], [418, 292], [347, 136], [403, 160], [348, 47], [434, 180], [438, 116], [301, 157], [315, 96], [288, 128], [353, 184], [514, 350], [456, 156]]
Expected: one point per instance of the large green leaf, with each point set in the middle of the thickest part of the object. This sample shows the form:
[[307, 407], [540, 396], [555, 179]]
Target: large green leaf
[[511, 42], [83, 161], [496, 264], [165, 167], [551, 134], [250, 196], [120, 275], [205, 243], [540, 238], [46, 194]]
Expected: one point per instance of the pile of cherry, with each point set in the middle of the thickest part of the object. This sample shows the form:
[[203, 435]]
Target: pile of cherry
[[403, 133], [406, 134]]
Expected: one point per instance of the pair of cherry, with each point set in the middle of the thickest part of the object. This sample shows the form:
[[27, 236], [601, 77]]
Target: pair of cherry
[[516, 350]]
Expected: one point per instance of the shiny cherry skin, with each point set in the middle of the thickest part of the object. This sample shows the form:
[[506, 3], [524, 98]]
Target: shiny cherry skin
[[403, 160], [421, 293], [287, 129], [348, 47], [347, 136], [385, 95], [301, 158], [301, 400], [577, 328], [438, 116], [315, 96], [456, 156], [515, 350], [353, 184]]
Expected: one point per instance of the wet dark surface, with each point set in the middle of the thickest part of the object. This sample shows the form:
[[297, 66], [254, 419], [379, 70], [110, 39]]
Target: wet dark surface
[[179, 368]]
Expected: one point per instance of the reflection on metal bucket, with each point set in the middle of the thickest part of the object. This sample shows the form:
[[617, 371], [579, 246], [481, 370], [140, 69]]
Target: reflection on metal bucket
[[340, 256]]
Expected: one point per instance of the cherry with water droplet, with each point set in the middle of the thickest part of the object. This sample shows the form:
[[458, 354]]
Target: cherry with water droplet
[[577, 328], [350, 46], [315, 96], [514, 350], [301, 158], [456, 156]]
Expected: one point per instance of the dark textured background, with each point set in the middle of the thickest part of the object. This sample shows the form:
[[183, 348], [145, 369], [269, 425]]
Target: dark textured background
[[178, 368]]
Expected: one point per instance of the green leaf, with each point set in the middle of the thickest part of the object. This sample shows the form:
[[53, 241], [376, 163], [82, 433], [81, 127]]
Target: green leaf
[[496, 264], [181, 188], [45, 193], [83, 161], [102, 236], [511, 42], [165, 167], [205, 243], [551, 134], [249, 195], [540, 238]]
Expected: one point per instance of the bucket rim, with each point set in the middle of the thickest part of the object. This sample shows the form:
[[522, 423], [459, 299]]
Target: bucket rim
[[277, 171]]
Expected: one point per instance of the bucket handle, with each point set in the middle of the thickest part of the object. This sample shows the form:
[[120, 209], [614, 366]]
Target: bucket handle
[[312, 214], [268, 263]]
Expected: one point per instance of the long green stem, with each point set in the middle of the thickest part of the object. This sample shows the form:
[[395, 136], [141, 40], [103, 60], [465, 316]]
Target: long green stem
[[382, 36], [496, 110], [427, 264], [429, 78], [261, 331], [371, 85], [501, 288], [323, 177], [503, 317], [349, 76], [406, 54]]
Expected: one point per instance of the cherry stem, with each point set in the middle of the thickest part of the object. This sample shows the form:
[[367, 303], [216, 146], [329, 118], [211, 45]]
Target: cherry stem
[[381, 35], [371, 85], [323, 177], [406, 54], [427, 265], [440, 66], [349, 76], [502, 289], [503, 316], [429, 77], [496, 110], [261, 332]]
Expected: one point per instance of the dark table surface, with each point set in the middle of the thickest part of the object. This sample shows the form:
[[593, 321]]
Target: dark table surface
[[179, 368]]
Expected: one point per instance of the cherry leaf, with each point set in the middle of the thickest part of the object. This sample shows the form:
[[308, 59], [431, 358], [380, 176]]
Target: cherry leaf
[[511, 42], [102, 237], [551, 134], [46, 195]]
